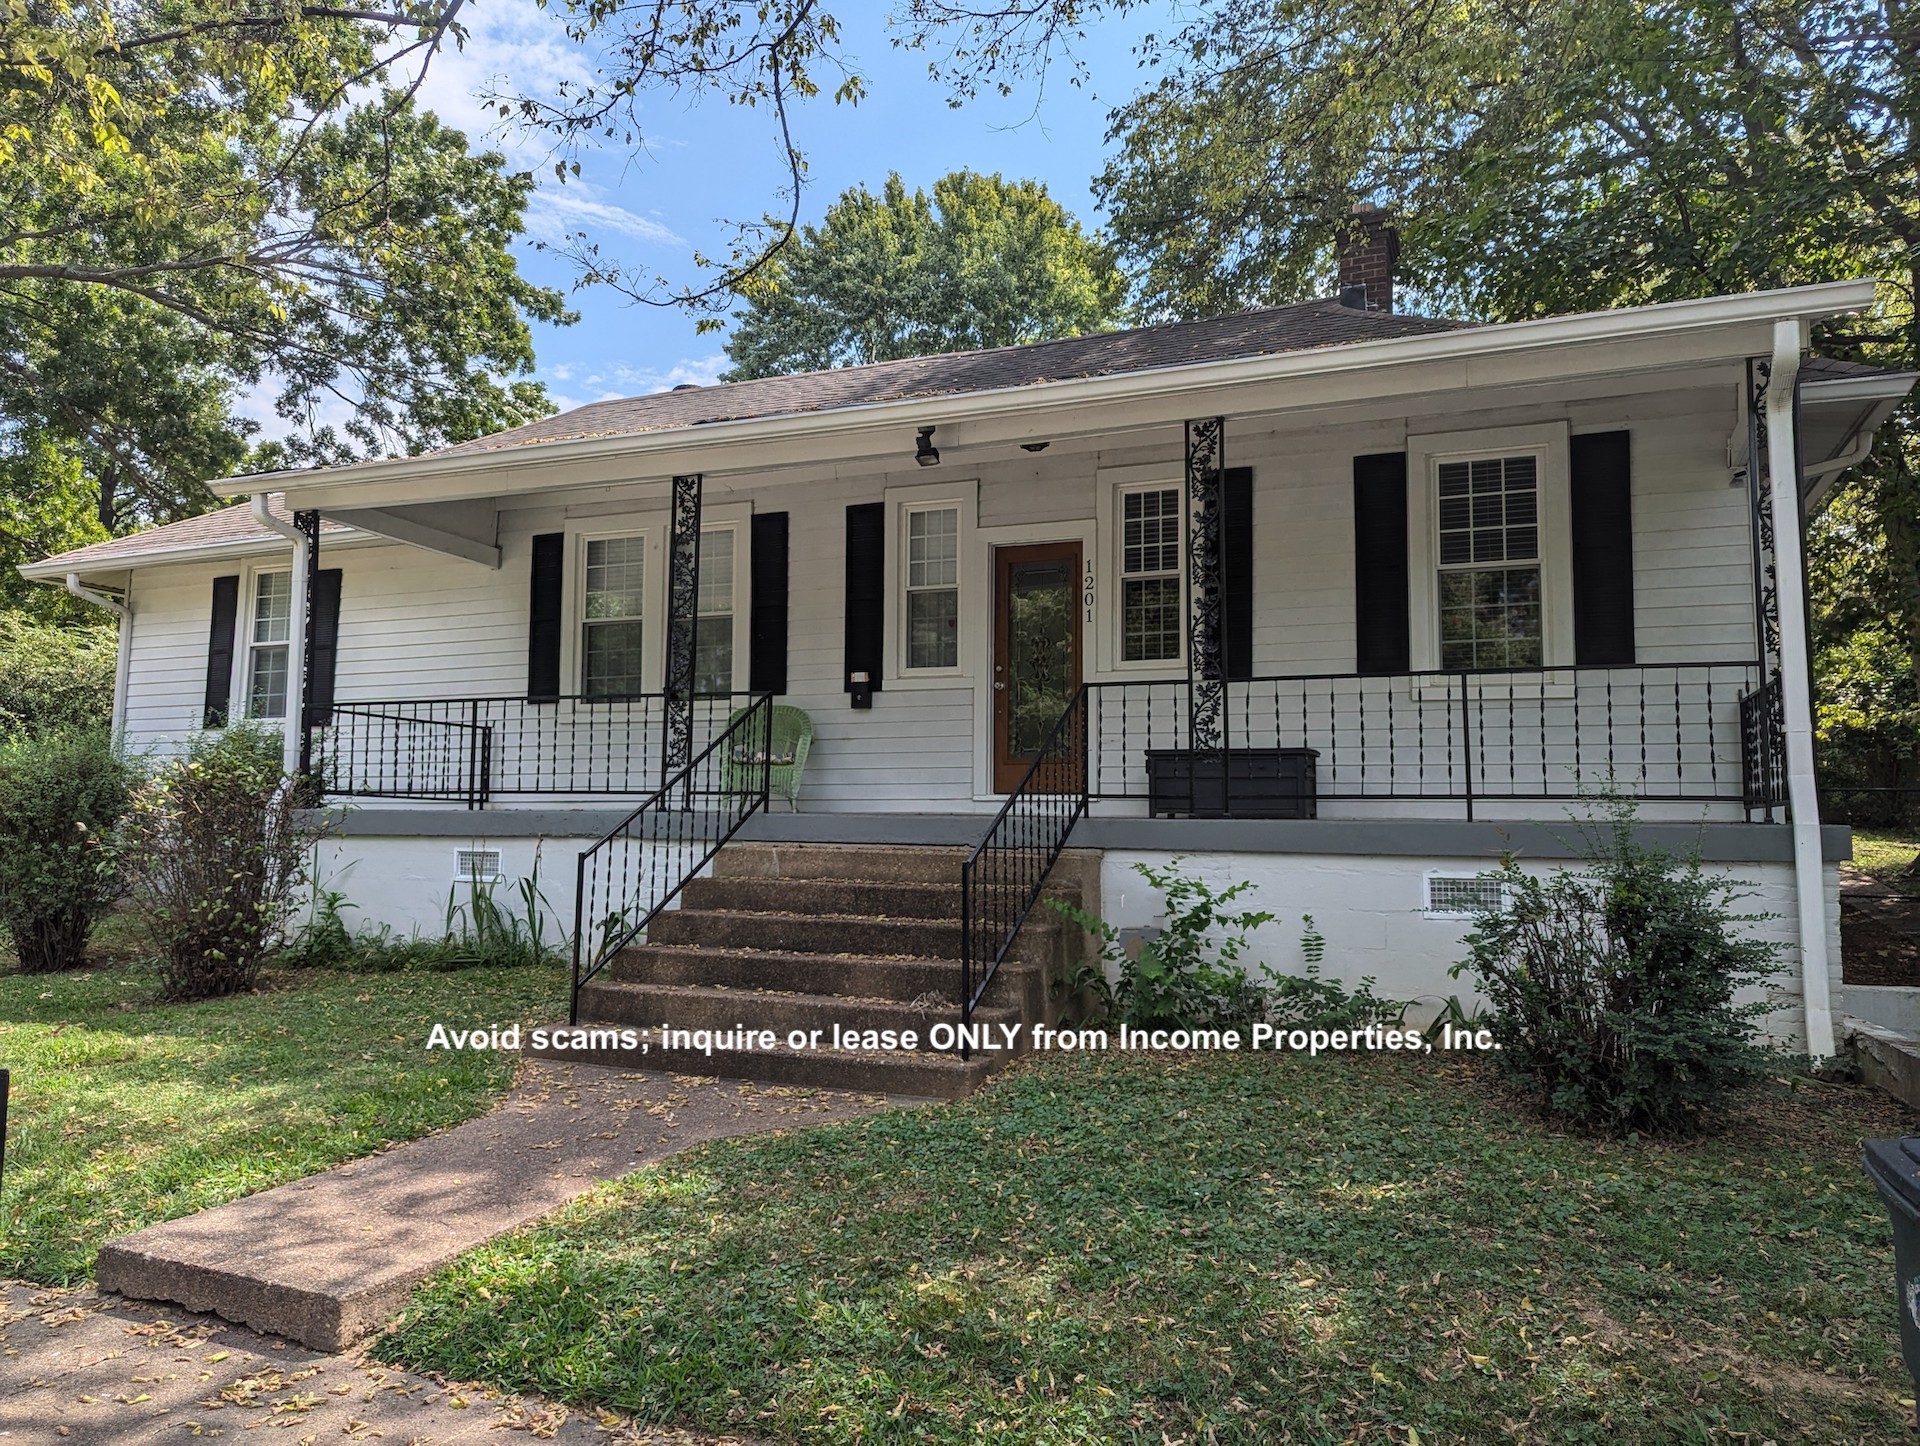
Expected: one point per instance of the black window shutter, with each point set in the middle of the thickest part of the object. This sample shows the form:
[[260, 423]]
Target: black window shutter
[[767, 620], [1236, 617], [1602, 515], [1382, 642], [866, 591], [546, 603], [326, 643], [220, 631]]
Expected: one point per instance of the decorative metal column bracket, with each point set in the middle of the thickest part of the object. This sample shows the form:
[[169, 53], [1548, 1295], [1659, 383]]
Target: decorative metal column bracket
[[308, 524], [683, 619], [1206, 674]]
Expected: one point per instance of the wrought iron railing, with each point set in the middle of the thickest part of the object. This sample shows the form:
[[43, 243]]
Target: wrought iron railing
[[1763, 748], [1003, 877], [641, 864], [475, 749], [1660, 731]]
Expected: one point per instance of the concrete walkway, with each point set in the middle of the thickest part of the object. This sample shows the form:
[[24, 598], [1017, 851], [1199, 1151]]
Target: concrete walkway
[[81, 1369], [327, 1260]]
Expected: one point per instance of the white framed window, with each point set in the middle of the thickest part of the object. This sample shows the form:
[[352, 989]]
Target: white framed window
[[1490, 551], [269, 639], [612, 613], [1487, 522], [1152, 621], [932, 578], [714, 631]]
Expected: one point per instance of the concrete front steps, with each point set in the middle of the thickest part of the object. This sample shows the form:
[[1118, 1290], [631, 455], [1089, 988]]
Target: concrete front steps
[[812, 939]]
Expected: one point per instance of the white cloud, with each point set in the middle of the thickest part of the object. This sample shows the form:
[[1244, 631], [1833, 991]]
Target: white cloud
[[557, 210], [634, 381]]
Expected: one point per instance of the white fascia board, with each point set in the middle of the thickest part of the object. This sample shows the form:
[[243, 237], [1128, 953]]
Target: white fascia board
[[1483, 355], [1888, 386], [53, 569]]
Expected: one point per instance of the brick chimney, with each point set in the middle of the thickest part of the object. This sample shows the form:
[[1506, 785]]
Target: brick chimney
[[1368, 248]]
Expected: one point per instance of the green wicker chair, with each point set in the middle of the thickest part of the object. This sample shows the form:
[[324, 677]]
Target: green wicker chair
[[792, 739]]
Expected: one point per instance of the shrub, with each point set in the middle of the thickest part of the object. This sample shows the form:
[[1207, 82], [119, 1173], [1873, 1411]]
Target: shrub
[[1309, 1001], [61, 796], [55, 677], [484, 931], [1188, 975], [1613, 990], [219, 852]]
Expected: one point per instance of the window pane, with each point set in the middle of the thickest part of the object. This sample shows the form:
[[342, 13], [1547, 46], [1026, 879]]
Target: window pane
[[1150, 532], [716, 572], [273, 607], [612, 660], [1149, 619], [1490, 618], [1489, 511], [933, 548], [267, 685], [713, 654], [614, 566], [933, 628]]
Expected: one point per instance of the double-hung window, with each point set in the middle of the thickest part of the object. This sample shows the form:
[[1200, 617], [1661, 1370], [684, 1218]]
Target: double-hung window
[[713, 633], [269, 638], [933, 587], [1489, 563], [1150, 610], [610, 662]]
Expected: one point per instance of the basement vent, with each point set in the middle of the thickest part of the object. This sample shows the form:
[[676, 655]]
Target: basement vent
[[1462, 896], [476, 866]]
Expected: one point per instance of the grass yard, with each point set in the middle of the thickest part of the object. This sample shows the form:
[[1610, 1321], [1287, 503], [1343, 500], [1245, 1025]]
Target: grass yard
[[1883, 854], [1215, 1249], [127, 1111]]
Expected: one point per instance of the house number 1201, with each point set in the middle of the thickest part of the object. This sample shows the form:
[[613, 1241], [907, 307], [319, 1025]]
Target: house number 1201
[[1087, 592]]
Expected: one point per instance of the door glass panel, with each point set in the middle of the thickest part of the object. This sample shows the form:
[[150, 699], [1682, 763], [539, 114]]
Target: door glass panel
[[1040, 602]]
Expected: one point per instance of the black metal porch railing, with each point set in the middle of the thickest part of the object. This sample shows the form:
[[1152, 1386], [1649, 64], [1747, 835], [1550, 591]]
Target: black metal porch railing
[[641, 864], [1763, 748], [1658, 731], [1002, 878], [472, 750]]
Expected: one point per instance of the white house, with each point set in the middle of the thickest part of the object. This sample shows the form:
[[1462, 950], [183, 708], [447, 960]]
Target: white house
[[1339, 600]]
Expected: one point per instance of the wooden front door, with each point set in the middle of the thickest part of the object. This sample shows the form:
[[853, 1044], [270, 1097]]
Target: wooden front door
[[1036, 651]]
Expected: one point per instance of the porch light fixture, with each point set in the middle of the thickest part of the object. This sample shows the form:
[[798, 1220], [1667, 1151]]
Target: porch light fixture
[[924, 452], [1034, 446]]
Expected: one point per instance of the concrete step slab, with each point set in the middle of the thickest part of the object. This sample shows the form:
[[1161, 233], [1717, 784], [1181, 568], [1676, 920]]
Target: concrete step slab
[[327, 1260], [837, 934], [845, 897], [906, 864], [862, 976], [704, 1007]]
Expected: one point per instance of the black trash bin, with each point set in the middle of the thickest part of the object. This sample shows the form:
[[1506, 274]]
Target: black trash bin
[[1894, 1166]]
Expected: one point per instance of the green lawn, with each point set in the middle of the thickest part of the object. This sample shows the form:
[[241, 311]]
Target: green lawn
[[127, 1111], [1884, 853], [1215, 1249]]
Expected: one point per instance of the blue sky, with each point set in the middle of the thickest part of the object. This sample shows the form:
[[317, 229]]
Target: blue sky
[[708, 162]]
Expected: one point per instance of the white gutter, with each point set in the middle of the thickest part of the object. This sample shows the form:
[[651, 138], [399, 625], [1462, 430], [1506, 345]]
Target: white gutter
[[1672, 318], [1803, 799], [296, 633], [124, 651]]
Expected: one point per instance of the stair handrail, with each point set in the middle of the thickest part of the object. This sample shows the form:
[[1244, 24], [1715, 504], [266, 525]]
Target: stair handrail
[[1003, 877], [671, 820]]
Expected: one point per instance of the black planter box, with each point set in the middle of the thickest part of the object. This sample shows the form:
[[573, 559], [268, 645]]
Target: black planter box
[[1266, 783]]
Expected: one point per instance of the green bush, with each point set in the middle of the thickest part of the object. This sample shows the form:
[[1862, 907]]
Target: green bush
[[1188, 975], [55, 677], [1311, 1001], [218, 852], [483, 932], [61, 797], [1613, 990]]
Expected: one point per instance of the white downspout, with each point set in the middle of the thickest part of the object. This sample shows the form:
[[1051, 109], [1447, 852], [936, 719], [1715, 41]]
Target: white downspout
[[1789, 571], [296, 631], [122, 657]]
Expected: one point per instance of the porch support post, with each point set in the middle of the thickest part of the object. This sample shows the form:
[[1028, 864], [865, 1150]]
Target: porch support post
[[1206, 674], [1789, 598], [300, 711], [683, 617]]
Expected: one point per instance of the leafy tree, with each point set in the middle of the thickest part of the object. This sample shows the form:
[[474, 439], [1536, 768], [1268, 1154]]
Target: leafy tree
[[200, 198], [1561, 156], [981, 262]]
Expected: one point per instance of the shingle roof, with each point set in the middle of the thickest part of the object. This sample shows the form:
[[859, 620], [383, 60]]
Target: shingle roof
[[229, 526], [1258, 332], [1831, 369]]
